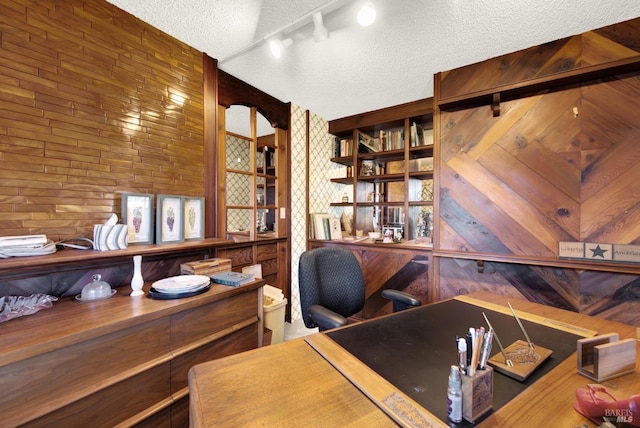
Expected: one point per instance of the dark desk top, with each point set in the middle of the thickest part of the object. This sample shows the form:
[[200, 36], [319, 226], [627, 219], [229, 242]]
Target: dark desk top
[[415, 349]]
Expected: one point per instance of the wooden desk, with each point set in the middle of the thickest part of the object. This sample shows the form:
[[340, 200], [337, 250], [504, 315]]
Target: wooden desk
[[315, 382]]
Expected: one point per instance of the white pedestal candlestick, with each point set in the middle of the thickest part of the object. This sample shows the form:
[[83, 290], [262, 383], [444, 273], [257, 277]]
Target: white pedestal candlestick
[[137, 282]]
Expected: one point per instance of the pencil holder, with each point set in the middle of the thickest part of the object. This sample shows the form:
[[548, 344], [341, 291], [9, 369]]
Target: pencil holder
[[477, 394]]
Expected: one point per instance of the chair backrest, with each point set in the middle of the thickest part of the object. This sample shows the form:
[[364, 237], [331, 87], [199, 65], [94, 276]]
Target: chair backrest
[[330, 277]]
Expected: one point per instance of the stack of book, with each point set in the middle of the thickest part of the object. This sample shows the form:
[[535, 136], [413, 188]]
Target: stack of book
[[324, 227], [233, 279], [342, 147]]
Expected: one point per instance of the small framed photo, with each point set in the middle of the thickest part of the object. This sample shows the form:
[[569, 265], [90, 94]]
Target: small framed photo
[[193, 218], [169, 219], [137, 214]]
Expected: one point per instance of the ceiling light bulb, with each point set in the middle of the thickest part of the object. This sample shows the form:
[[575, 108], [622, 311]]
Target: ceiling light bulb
[[367, 14]]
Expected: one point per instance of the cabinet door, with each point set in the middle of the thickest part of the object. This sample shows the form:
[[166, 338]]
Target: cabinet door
[[253, 189]]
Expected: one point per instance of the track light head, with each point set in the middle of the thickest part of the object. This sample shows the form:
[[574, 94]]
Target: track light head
[[320, 32]]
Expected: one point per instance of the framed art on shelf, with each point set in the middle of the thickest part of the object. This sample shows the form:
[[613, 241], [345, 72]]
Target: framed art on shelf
[[137, 214], [194, 218], [170, 219]]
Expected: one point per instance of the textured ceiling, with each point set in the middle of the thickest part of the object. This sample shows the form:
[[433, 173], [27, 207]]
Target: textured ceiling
[[360, 69]]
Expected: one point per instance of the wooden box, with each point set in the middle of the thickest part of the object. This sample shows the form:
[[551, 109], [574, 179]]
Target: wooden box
[[604, 357], [477, 394], [206, 267]]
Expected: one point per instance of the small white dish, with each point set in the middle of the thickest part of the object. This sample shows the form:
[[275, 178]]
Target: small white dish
[[80, 299]]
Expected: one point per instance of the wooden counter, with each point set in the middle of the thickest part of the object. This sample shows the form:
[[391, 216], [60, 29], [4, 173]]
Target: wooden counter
[[123, 360], [327, 386]]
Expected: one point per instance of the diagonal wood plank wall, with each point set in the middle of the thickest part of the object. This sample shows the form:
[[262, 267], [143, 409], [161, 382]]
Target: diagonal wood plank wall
[[560, 165]]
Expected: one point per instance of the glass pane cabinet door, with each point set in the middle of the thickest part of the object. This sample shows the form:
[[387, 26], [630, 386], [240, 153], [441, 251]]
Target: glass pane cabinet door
[[266, 186], [250, 172]]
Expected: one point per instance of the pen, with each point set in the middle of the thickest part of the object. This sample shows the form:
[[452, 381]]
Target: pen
[[521, 326], [474, 351], [469, 340]]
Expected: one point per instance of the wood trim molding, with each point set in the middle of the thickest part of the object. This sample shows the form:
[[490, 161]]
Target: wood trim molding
[[232, 90]]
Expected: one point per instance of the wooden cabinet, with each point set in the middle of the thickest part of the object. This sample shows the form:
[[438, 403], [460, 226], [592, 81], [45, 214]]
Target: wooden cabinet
[[120, 361], [388, 174], [253, 180], [272, 255]]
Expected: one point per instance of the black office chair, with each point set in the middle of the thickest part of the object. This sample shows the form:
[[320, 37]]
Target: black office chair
[[332, 288]]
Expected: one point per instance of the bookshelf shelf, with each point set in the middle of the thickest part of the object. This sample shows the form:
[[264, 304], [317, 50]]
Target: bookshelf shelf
[[346, 180]]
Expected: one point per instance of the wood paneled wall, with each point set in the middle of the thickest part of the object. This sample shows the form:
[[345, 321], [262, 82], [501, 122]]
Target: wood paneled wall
[[554, 165], [93, 102]]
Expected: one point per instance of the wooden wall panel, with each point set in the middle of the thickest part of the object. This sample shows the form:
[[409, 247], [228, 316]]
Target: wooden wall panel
[[555, 165], [93, 102], [591, 48]]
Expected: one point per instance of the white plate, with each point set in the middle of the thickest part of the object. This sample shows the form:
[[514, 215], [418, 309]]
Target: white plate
[[181, 283], [185, 290]]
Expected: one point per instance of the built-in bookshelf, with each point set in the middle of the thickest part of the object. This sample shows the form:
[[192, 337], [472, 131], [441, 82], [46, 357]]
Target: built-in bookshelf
[[387, 157]]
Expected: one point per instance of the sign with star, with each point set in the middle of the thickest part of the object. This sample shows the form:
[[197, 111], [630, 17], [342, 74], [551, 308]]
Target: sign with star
[[626, 253], [598, 251]]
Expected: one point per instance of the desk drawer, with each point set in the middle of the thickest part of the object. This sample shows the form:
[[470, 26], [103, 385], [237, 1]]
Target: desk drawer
[[239, 256], [266, 251]]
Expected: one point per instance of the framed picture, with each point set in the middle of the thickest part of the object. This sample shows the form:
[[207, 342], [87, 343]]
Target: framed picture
[[137, 214], [169, 219], [193, 218]]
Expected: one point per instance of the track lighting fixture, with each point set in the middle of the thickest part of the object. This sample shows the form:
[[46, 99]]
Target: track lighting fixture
[[320, 32], [366, 14], [278, 45]]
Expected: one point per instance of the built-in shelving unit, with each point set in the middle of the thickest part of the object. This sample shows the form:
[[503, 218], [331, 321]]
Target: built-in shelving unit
[[388, 171]]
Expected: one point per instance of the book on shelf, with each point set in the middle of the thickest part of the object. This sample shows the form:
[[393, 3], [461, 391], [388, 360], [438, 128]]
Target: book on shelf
[[428, 137], [342, 147], [233, 279], [421, 136], [393, 139], [367, 144], [320, 226], [415, 132]]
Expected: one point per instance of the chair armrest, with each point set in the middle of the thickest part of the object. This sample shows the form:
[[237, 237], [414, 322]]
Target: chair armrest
[[400, 299], [325, 318]]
